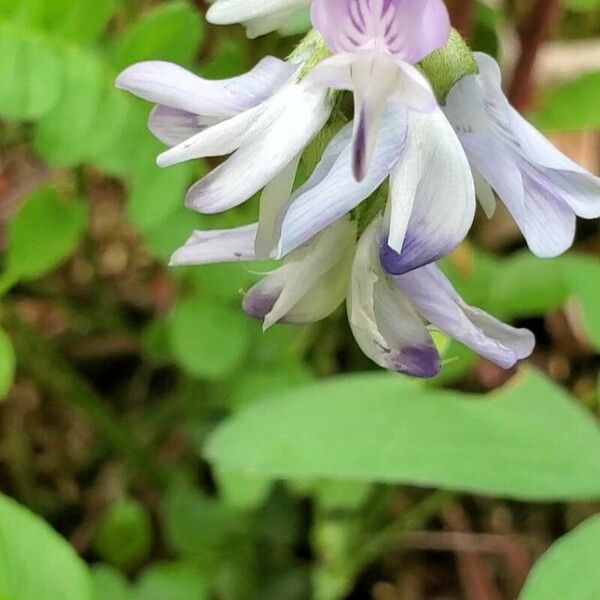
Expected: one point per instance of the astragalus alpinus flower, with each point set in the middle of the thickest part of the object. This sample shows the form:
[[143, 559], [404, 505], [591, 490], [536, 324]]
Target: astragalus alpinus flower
[[421, 223], [258, 16], [390, 195], [391, 317], [375, 45], [264, 119], [543, 189]]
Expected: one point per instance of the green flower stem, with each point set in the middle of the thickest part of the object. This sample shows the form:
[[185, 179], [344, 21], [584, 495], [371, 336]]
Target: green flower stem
[[448, 65]]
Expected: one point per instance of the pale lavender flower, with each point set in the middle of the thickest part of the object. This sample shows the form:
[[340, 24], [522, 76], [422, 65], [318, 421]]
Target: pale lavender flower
[[264, 119], [391, 316], [431, 200], [258, 16], [376, 43], [543, 189]]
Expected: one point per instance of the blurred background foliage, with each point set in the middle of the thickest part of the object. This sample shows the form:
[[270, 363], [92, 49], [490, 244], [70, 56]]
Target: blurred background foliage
[[156, 445]]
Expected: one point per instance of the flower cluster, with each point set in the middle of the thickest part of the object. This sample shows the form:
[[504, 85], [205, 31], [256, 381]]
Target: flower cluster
[[394, 190]]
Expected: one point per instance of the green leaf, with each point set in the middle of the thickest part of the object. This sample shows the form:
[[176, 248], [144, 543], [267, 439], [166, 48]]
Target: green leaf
[[208, 340], [32, 71], [156, 193], [569, 570], [171, 32], [582, 275], [526, 286], [35, 562], [124, 534], [243, 492], [175, 581], [529, 440], [43, 233], [200, 527], [78, 21], [62, 136], [8, 363], [572, 105], [110, 584]]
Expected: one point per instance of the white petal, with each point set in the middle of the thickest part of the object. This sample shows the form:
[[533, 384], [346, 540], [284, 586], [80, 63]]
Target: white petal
[[218, 246], [385, 325], [485, 194], [331, 192], [375, 77], [273, 196], [546, 220], [267, 23], [226, 12], [173, 126], [301, 111], [576, 186], [432, 196], [335, 72], [171, 85], [310, 284], [435, 299], [222, 138]]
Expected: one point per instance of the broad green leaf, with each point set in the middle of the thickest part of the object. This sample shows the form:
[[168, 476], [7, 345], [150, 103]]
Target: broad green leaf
[[529, 440], [43, 233], [208, 340], [172, 581], [32, 73], [35, 562], [7, 363], [124, 535], [172, 32], [569, 570], [572, 105]]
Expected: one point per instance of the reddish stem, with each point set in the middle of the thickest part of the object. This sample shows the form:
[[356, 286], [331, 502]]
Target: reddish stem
[[541, 23], [462, 16]]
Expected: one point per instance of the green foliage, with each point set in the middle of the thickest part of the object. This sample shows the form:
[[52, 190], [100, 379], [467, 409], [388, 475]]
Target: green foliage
[[35, 562], [527, 442], [124, 536], [200, 369], [208, 340], [171, 582], [109, 583], [569, 570], [73, 20], [43, 233], [171, 32], [572, 105]]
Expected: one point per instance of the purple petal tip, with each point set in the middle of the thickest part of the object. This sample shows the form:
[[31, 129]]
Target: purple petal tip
[[258, 305], [418, 361]]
